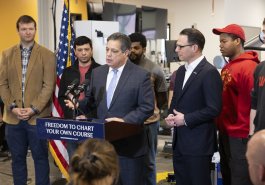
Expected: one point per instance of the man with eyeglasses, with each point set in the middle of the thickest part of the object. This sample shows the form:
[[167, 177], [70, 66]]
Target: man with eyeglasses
[[121, 91], [196, 102]]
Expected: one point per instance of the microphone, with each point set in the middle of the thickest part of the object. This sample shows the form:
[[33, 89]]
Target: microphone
[[71, 87], [81, 88]]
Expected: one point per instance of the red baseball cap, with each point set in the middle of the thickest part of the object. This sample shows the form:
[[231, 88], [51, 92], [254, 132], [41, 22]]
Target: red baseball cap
[[232, 29]]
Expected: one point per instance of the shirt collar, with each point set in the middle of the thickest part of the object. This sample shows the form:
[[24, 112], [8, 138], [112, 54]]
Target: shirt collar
[[193, 64], [29, 49], [119, 69]]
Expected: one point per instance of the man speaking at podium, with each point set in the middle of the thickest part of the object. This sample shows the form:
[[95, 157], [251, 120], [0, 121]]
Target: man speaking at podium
[[121, 91]]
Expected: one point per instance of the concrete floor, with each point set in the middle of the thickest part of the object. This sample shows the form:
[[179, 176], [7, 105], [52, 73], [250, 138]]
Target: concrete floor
[[164, 164]]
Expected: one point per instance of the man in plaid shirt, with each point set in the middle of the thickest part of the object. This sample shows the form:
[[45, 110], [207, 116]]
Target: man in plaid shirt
[[27, 81]]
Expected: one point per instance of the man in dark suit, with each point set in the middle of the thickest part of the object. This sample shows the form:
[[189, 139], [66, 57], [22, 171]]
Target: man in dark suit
[[196, 102], [132, 102]]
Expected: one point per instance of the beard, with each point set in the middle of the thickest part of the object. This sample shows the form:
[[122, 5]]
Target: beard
[[135, 58]]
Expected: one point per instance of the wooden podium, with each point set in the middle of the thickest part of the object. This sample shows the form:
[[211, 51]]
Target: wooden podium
[[77, 130]]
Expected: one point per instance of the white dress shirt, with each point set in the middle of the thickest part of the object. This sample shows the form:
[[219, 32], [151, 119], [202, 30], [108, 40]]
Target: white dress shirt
[[111, 73], [189, 69]]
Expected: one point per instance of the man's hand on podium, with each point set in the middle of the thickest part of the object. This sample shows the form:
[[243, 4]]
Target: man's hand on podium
[[114, 119], [81, 117]]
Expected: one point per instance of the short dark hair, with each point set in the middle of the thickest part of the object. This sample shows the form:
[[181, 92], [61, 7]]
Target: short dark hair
[[263, 21], [26, 19], [138, 37], [82, 40], [194, 37], [124, 39]]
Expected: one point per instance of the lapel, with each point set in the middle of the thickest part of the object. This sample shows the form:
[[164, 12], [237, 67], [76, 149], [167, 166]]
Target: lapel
[[192, 77], [179, 81], [32, 61], [121, 83], [103, 83], [18, 63], [105, 75]]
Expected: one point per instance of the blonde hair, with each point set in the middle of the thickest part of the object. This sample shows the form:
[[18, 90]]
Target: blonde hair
[[95, 162]]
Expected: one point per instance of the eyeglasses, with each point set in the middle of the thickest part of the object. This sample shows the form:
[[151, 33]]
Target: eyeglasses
[[183, 46]]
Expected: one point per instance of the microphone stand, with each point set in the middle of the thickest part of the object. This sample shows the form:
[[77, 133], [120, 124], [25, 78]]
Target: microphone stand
[[74, 101], [73, 95]]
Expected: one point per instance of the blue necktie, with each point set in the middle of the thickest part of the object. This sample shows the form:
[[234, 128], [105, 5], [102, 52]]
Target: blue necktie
[[112, 86]]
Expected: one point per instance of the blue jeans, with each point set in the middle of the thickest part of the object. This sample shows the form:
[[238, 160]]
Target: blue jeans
[[151, 131], [19, 138]]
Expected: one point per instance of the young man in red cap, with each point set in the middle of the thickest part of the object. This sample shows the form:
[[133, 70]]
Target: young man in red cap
[[233, 122]]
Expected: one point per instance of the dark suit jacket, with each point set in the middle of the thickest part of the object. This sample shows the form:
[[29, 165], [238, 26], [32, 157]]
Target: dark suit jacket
[[200, 102], [133, 101]]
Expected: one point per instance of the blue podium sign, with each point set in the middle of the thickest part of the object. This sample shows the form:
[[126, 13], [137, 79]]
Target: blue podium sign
[[77, 130], [64, 129]]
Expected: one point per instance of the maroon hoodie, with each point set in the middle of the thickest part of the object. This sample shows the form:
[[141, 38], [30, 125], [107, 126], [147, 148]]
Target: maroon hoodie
[[237, 77]]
